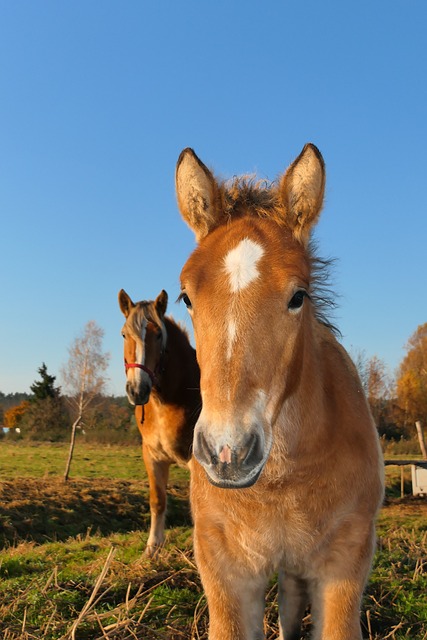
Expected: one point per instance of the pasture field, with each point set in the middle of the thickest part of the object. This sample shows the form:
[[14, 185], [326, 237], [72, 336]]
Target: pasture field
[[72, 563]]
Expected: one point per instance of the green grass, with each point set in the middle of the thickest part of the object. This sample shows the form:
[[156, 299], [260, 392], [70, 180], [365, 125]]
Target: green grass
[[59, 539], [89, 461]]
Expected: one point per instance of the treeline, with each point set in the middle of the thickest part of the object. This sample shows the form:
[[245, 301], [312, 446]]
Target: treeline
[[397, 403], [46, 415]]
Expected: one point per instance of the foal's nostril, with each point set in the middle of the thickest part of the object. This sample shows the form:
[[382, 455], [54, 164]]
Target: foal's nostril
[[249, 455], [202, 451]]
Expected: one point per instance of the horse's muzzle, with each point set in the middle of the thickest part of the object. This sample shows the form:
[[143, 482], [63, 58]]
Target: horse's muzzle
[[231, 467], [138, 394]]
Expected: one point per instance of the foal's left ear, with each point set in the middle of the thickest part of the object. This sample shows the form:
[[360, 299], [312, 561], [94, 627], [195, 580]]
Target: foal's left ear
[[197, 194], [161, 303], [302, 189]]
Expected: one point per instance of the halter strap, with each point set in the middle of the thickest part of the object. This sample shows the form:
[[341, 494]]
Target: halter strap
[[136, 365]]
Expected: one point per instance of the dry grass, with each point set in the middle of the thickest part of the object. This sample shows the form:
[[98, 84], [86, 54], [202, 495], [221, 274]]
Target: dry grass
[[72, 567]]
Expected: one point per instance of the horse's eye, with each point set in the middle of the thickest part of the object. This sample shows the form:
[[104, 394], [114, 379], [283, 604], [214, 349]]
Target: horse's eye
[[297, 300], [159, 335], [123, 334], [186, 300]]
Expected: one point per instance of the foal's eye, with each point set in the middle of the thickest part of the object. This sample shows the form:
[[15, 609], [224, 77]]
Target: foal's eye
[[186, 300], [297, 300]]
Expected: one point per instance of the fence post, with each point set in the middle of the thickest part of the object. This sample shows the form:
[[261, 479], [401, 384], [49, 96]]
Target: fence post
[[421, 439]]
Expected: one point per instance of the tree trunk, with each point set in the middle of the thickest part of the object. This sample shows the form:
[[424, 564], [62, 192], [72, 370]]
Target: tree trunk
[[71, 450], [421, 439]]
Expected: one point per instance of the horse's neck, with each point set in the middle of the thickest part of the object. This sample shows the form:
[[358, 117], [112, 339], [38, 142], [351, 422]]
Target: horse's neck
[[179, 366]]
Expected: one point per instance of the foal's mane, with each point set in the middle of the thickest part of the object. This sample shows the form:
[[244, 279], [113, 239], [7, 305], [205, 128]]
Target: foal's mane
[[249, 194]]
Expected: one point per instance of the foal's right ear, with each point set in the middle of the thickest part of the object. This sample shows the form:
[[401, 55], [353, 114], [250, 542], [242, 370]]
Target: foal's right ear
[[197, 194], [125, 303]]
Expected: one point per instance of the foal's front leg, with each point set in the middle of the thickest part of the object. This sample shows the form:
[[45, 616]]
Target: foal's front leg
[[158, 473], [337, 592], [235, 596], [293, 600]]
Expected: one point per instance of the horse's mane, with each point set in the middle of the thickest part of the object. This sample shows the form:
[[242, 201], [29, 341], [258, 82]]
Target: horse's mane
[[322, 295], [148, 310]]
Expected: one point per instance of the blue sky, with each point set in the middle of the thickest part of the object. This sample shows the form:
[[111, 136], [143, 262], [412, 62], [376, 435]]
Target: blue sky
[[98, 98]]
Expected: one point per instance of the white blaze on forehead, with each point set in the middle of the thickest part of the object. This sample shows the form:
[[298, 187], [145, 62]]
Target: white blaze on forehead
[[241, 264], [140, 351]]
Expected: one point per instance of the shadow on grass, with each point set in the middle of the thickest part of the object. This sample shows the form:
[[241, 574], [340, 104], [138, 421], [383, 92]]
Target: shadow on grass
[[41, 509]]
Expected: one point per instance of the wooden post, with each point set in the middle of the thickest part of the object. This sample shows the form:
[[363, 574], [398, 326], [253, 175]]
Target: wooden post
[[402, 482], [71, 449], [421, 439]]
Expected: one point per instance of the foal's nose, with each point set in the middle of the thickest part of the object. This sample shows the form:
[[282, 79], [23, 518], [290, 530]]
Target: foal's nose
[[235, 466]]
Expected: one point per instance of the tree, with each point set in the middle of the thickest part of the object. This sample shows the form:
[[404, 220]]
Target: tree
[[46, 417], [44, 388], [379, 389], [84, 377], [13, 416], [412, 380]]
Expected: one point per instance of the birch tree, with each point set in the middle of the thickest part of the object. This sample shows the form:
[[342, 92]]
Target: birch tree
[[84, 378]]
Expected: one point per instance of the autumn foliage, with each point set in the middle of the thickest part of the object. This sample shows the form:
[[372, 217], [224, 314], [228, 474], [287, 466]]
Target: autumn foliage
[[412, 377], [14, 415]]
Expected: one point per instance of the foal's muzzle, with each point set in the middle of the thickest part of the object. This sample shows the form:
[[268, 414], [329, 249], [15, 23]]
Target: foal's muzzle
[[231, 467]]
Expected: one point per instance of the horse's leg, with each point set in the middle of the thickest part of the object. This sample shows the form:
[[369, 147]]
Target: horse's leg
[[158, 472], [337, 593], [235, 598], [293, 600]]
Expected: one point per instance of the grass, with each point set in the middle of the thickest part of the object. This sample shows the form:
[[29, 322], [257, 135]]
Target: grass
[[72, 564]]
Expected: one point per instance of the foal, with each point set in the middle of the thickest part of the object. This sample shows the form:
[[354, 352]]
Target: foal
[[287, 473], [163, 384]]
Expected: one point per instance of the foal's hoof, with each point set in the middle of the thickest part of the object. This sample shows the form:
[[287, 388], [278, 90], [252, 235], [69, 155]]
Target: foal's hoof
[[152, 550]]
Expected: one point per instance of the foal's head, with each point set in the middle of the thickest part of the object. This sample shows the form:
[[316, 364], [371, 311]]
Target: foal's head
[[248, 289], [144, 336]]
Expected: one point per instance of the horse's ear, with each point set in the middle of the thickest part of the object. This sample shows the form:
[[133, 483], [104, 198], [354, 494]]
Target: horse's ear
[[302, 189], [197, 193], [161, 303], [125, 303]]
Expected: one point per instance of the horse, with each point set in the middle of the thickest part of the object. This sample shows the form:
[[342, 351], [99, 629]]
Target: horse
[[287, 472], [163, 383]]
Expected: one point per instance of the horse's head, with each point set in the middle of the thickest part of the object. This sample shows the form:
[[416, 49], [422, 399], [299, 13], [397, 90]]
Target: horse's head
[[144, 336], [248, 289]]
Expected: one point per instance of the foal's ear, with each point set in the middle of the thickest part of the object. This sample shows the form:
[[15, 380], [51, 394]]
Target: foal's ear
[[302, 189], [161, 303], [197, 193], [125, 303]]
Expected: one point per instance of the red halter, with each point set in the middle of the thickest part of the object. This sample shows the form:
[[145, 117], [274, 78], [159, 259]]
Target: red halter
[[136, 365]]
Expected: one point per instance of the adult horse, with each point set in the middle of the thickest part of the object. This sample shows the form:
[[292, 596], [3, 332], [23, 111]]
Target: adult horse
[[287, 473], [163, 384]]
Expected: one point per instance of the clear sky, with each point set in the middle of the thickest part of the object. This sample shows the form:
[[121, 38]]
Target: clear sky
[[98, 98]]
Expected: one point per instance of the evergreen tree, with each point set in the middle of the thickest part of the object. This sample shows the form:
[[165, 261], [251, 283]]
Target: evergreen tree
[[45, 417], [44, 388]]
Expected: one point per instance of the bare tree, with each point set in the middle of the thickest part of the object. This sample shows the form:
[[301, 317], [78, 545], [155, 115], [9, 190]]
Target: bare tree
[[84, 377]]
